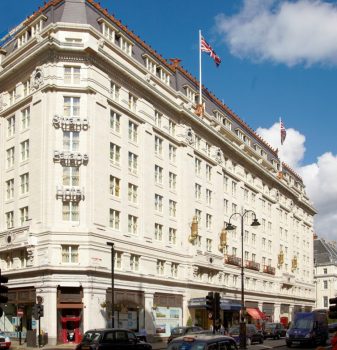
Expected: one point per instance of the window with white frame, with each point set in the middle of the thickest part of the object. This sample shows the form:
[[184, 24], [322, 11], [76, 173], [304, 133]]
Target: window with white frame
[[325, 301], [234, 208], [246, 236], [158, 117], [197, 141], [197, 166], [225, 183], [70, 254], [132, 224], [158, 146], [172, 153], [172, 208], [114, 91], [132, 193], [208, 244], [158, 174], [172, 128], [160, 267], [134, 262], [225, 204], [115, 154], [115, 186], [11, 126], [191, 94], [234, 251], [10, 189], [72, 75], [325, 284], [133, 163], [115, 121], [123, 43], [108, 32], [118, 260], [243, 137], [23, 258], [71, 106], [208, 172], [71, 140], [207, 148], [172, 235], [23, 215], [71, 176], [25, 118], [114, 219], [12, 96], [24, 150], [198, 215], [133, 131], [132, 102], [234, 188], [158, 232], [197, 191], [158, 203], [9, 219], [26, 87], [208, 221], [174, 269], [70, 211], [163, 75], [172, 181], [208, 197], [150, 65], [24, 183]]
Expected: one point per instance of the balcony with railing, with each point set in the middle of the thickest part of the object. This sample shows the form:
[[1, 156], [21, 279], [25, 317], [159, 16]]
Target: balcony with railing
[[269, 269], [252, 265], [232, 260]]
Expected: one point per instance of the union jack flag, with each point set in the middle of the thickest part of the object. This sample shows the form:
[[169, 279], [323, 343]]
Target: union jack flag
[[205, 47], [283, 132]]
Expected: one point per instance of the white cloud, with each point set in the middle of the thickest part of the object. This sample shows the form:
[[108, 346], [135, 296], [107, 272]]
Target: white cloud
[[319, 178], [288, 32]]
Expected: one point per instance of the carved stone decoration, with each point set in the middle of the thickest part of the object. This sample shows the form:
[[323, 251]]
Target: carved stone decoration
[[101, 43], [38, 38], [189, 135], [2, 102], [30, 256], [218, 156], [195, 271], [37, 78]]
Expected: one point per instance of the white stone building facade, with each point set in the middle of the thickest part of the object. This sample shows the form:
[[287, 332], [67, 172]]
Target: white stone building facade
[[100, 143]]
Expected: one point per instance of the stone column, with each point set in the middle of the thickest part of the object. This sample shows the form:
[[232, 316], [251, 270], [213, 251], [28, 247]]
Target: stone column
[[148, 304], [277, 312], [94, 309]]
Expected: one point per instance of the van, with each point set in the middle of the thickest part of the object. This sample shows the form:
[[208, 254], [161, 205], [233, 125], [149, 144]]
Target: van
[[309, 328]]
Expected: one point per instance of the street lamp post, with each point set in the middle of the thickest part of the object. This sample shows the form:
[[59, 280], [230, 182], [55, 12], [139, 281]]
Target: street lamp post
[[112, 283], [229, 226]]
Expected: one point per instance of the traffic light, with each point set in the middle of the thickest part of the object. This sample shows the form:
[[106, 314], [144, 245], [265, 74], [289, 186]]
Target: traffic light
[[217, 305], [3, 291], [37, 311], [210, 301], [333, 308]]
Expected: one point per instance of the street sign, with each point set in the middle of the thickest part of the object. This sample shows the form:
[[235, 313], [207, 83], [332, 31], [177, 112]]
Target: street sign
[[19, 313]]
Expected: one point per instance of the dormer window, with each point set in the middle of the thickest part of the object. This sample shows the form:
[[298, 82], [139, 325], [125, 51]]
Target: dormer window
[[191, 94], [151, 65], [108, 32], [163, 75], [243, 137], [31, 31], [123, 43]]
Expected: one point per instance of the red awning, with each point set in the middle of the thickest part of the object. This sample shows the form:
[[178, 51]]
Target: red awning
[[256, 313]]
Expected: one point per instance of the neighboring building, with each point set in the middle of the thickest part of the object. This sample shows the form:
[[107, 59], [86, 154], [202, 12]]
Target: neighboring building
[[325, 274], [100, 143]]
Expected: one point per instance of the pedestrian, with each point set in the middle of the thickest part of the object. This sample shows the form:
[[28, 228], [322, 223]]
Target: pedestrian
[[334, 342]]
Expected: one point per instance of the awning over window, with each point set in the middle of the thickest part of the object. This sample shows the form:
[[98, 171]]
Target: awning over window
[[255, 313]]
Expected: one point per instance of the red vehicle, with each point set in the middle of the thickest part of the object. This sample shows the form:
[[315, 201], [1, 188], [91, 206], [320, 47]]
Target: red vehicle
[[5, 342]]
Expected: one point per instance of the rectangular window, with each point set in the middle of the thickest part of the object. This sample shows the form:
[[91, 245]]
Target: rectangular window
[[23, 215], [225, 184], [225, 203], [114, 218], [132, 102], [114, 186], [158, 146], [134, 262], [174, 270], [72, 75], [197, 166], [172, 153], [26, 88], [208, 244], [198, 215], [132, 224], [70, 254], [160, 267], [158, 118], [71, 140], [115, 121], [209, 197], [118, 260], [24, 150], [172, 181], [208, 221], [207, 148], [172, 235], [114, 154], [133, 163], [24, 183], [208, 172], [158, 174], [11, 126], [173, 208], [133, 132], [108, 32], [71, 106], [197, 192], [10, 219], [158, 203], [71, 176], [132, 193], [12, 96], [172, 128], [234, 186], [114, 91], [158, 232], [25, 118], [10, 189], [70, 211], [325, 284]]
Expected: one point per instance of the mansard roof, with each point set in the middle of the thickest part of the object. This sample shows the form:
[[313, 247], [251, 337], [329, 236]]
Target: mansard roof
[[325, 252]]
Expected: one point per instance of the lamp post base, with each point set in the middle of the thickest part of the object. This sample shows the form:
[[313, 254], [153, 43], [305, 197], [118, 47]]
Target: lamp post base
[[243, 340]]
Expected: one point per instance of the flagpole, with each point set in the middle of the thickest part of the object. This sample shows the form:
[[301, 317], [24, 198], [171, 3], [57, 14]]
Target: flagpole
[[200, 84], [281, 166]]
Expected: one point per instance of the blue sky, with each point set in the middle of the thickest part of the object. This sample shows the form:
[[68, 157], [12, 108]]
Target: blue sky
[[279, 59]]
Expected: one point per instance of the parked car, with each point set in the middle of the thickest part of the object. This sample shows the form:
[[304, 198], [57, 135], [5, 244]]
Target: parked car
[[203, 341], [253, 335], [274, 330], [111, 338], [179, 331], [5, 342]]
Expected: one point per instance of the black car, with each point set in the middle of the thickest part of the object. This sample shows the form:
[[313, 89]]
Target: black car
[[274, 330], [203, 341], [110, 338], [253, 335], [179, 331]]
